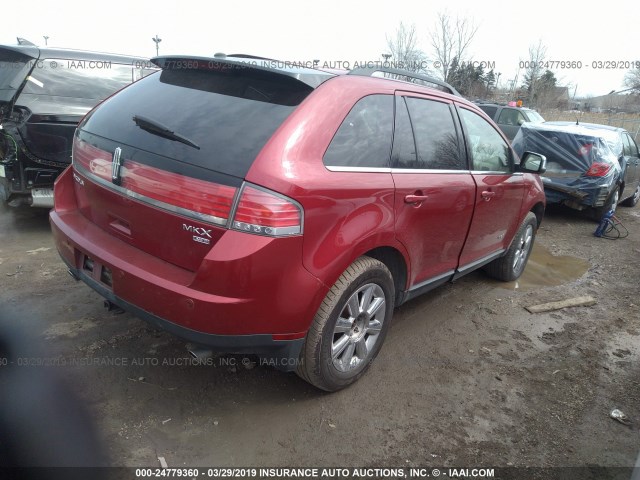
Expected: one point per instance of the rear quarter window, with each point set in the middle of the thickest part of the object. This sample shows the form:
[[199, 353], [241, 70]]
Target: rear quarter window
[[364, 137]]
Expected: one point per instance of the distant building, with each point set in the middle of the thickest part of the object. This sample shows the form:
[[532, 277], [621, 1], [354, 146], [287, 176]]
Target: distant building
[[613, 103]]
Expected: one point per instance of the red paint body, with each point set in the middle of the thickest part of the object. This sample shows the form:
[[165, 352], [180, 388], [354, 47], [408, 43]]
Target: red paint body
[[246, 284]]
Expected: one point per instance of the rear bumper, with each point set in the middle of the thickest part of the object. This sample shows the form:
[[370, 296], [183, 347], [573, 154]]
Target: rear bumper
[[591, 192], [283, 354], [250, 294]]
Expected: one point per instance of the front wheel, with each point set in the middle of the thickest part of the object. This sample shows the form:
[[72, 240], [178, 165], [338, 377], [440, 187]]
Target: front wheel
[[350, 326], [511, 265]]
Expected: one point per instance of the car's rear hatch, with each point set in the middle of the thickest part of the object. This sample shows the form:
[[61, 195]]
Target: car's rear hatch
[[575, 154], [16, 62], [184, 140]]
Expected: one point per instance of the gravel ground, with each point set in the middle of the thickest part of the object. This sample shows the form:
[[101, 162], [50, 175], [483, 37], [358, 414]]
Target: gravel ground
[[467, 376]]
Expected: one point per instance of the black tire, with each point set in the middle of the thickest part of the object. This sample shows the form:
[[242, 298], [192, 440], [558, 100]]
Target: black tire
[[632, 201], [369, 282], [511, 265], [610, 204]]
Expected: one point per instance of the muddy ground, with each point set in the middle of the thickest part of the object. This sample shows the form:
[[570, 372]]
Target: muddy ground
[[467, 377]]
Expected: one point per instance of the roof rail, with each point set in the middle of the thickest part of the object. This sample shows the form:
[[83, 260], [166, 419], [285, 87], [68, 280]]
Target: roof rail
[[368, 72]]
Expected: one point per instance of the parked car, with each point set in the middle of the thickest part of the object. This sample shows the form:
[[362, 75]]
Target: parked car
[[510, 119], [588, 165], [44, 93], [285, 212]]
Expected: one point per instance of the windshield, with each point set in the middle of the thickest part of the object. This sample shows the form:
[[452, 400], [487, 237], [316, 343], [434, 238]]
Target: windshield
[[534, 116]]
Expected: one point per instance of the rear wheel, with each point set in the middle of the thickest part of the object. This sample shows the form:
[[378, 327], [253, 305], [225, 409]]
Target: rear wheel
[[510, 266], [610, 204], [349, 327], [632, 200]]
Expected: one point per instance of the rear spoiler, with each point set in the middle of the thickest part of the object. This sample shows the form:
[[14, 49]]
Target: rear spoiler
[[222, 64]]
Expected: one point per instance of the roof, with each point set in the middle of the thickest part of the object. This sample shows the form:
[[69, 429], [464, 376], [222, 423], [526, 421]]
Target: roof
[[605, 132], [490, 104], [589, 126]]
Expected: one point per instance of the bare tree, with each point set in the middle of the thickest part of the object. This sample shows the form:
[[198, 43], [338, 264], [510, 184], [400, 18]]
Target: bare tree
[[404, 50], [450, 39], [632, 79], [534, 70]]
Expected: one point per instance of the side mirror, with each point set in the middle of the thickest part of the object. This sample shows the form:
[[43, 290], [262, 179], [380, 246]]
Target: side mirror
[[533, 163]]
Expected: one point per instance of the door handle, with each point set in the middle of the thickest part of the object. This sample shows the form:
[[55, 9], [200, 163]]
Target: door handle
[[487, 195], [415, 198]]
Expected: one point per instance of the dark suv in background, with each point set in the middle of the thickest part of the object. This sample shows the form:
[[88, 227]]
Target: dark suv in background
[[44, 93], [509, 118], [285, 212]]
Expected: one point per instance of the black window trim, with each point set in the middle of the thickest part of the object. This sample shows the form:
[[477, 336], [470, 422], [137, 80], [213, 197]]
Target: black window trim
[[403, 94]]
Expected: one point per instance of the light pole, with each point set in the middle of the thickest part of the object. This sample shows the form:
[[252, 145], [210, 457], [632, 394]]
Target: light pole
[[46, 38], [157, 41], [386, 56]]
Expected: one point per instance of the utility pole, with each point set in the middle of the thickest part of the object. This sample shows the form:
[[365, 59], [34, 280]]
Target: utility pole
[[46, 39], [157, 41]]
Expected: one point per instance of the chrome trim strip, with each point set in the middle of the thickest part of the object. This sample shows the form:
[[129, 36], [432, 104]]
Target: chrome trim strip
[[431, 280], [427, 170], [485, 259], [359, 169], [165, 206]]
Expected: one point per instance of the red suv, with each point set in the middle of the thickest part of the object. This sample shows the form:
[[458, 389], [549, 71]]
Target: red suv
[[285, 212]]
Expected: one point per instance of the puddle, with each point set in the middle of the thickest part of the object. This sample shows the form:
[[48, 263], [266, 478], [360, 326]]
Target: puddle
[[547, 270]]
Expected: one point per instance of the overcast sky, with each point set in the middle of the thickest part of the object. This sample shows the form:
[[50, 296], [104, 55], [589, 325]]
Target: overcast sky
[[346, 31]]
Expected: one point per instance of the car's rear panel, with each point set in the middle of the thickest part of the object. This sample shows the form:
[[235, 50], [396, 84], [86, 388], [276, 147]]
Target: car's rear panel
[[582, 163], [179, 231]]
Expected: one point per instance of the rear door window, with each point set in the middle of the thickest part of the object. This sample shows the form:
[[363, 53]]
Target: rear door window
[[435, 135], [630, 147], [364, 137]]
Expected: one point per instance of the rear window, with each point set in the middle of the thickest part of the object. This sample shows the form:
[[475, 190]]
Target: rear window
[[491, 111], [229, 114], [566, 151]]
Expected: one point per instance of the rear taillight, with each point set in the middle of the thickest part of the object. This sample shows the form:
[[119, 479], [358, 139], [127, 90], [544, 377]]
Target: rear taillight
[[258, 210], [598, 169], [208, 201], [92, 159], [267, 213]]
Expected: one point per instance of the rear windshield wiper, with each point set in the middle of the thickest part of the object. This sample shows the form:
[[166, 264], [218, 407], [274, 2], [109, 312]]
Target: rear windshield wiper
[[157, 128]]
